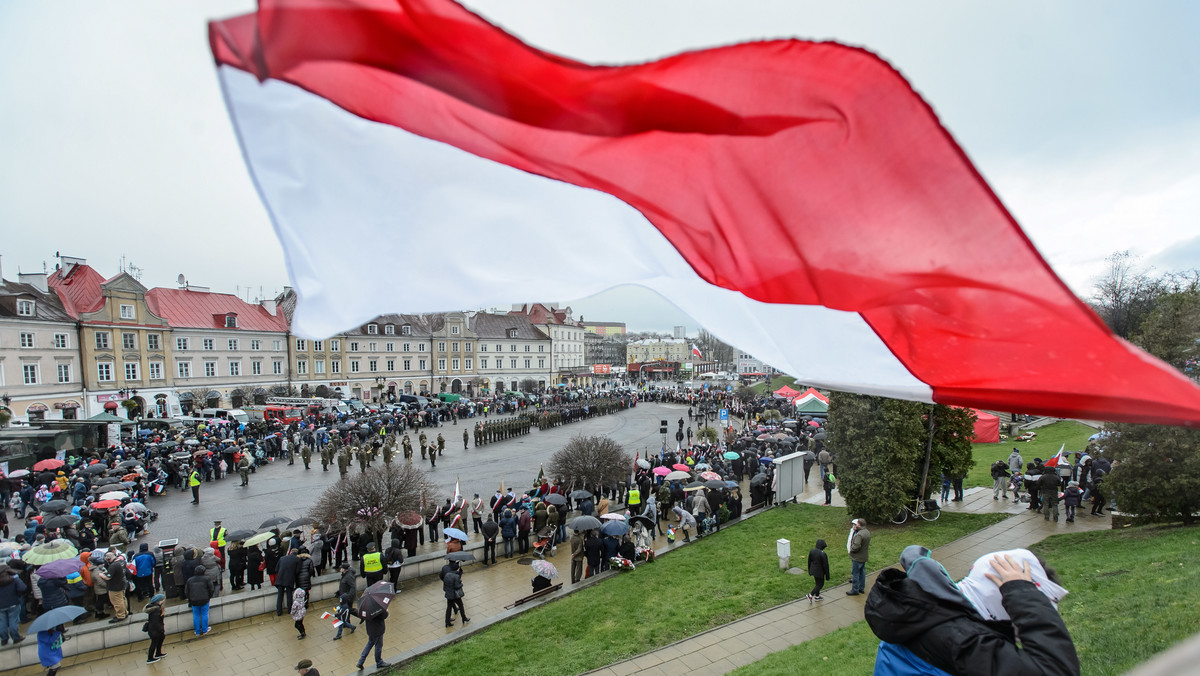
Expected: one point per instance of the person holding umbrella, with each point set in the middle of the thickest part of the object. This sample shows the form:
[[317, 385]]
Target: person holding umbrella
[[376, 625], [453, 589]]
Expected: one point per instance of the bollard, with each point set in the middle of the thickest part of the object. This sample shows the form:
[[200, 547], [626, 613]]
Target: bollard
[[784, 549]]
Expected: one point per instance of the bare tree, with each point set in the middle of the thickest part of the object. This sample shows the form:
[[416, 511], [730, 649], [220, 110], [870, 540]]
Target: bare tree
[[590, 461], [714, 349], [372, 499], [1125, 295]]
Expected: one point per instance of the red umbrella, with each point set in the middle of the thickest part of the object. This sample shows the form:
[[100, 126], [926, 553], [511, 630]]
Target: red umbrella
[[47, 464], [814, 423], [681, 467], [106, 504]]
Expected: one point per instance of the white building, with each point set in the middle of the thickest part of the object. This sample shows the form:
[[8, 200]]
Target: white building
[[39, 353]]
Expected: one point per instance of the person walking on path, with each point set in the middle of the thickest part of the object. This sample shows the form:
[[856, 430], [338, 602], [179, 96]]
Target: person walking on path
[[299, 601], [858, 546], [1000, 475], [199, 591], [818, 568], [1072, 498], [155, 628], [453, 589], [828, 482], [375, 628]]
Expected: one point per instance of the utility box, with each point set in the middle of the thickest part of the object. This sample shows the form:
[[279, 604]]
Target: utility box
[[784, 549]]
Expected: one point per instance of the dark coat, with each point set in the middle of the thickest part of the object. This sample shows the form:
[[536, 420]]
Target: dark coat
[[348, 584], [953, 637], [254, 557], [305, 572], [593, 550], [452, 584], [287, 574], [155, 626], [198, 589], [540, 583], [818, 562], [376, 625]]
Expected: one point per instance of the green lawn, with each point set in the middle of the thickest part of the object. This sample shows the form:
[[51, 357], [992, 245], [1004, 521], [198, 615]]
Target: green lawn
[[775, 383], [716, 580], [1049, 439], [1133, 594]]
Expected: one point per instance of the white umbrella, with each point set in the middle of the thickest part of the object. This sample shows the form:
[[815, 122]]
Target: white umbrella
[[643, 463], [114, 495], [544, 568], [678, 476], [613, 516]]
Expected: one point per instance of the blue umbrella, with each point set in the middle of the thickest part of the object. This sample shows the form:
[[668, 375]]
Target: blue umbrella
[[616, 528], [52, 618], [455, 533], [731, 484], [766, 461]]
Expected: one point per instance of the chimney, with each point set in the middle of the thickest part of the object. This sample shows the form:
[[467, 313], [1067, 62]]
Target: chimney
[[35, 279], [269, 306]]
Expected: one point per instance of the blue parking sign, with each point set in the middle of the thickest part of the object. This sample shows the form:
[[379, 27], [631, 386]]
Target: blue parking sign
[[723, 414]]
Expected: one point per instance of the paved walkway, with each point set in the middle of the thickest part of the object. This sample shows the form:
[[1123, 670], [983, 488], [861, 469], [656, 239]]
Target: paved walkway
[[723, 649]]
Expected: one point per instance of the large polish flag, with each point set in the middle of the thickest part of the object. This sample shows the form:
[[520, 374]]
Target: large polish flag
[[798, 199]]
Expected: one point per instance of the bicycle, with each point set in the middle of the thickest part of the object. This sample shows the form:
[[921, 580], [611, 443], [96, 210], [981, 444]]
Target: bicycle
[[926, 509]]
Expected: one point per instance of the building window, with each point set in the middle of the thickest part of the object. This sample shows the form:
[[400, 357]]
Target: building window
[[454, 330], [156, 370], [512, 348], [406, 347], [421, 365], [131, 370], [335, 366], [527, 348], [277, 367], [256, 368], [354, 366], [527, 363], [372, 329], [104, 372], [482, 347], [389, 330], [319, 366], [541, 348], [235, 368], [185, 369], [301, 367], [512, 363], [390, 347], [406, 330], [28, 340], [318, 346], [441, 346], [499, 363], [354, 347], [407, 364], [181, 343], [102, 340], [255, 345], [64, 373], [483, 362], [301, 345], [231, 321], [453, 364], [420, 347], [276, 345], [541, 363], [153, 342], [127, 312], [441, 364], [499, 348], [468, 364], [467, 346], [62, 341], [30, 372], [233, 344], [208, 344], [391, 365], [512, 333], [372, 347], [210, 369], [454, 347], [372, 365], [26, 308], [129, 341], [335, 345]]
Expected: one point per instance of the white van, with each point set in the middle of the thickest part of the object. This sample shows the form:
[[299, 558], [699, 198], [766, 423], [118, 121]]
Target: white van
[[233, 414]]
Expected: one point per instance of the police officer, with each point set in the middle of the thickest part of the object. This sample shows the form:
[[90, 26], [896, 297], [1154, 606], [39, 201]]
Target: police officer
[[372, 565], [217, 535], [194, 482]]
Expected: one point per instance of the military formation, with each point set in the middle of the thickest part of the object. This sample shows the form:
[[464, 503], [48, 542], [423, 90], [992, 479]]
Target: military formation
[[499, 430]]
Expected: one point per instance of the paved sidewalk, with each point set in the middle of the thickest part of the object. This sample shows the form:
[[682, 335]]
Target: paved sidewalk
[[723, 649]]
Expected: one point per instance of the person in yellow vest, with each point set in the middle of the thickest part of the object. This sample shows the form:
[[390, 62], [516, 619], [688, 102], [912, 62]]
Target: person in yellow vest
[[194, 482], [372, 564], [635, 500], [217, 535]]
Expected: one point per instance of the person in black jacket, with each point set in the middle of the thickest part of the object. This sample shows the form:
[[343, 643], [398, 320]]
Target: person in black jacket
[[923, 618], [285, 581], [375, 628], [155, 628], [305, 573], [594, 552], [199, 590], [818, 567]]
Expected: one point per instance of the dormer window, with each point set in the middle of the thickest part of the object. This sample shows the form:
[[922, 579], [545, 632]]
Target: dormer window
[[406, 330], [128, 312], [372, 329], [231, 321], [26, 308], [454, 330], [512, 333], [389, 329]]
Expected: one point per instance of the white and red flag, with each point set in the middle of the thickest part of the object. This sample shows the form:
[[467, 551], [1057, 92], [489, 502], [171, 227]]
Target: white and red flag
[[798, 199], [696, 352], [1053, 462]]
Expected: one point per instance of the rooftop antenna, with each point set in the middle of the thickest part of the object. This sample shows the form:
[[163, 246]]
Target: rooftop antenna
[[181, 281]]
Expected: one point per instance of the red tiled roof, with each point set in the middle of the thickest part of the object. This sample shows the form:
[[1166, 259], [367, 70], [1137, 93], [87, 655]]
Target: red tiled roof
[[203, 310], [79, 290], [539, 313]]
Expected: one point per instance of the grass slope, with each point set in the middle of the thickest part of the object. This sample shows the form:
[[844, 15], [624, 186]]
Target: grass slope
[[718, 579], [775, 383], [1049, 439], [1133, 595]]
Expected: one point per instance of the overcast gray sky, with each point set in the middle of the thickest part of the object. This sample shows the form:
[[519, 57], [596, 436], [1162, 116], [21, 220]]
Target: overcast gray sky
[[1084, 116]]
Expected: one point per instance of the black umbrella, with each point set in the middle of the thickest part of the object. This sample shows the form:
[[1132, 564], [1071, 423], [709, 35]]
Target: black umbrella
[[302, 521], [819, 436], [555, 499], [615, 527], [169, 444], [51, 506], [375, 599], [694, 484], [758, 480], [714, 484], [105, 480], [584, 523], [59, 520], [94, 469], [274, 521], [460, 556], [240, 535], [580, 495], [642, 519], [130, 463]]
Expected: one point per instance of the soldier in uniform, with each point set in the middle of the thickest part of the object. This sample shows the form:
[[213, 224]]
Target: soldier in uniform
[[243, 468], [466, 438], [362, 453], [343, 461], [441, 444], [388, 451], [306, 454], [424, 444], [407, 444], [478, 434]]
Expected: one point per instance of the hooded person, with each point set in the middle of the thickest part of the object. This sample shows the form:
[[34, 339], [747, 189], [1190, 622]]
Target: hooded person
[[155, 628], [818, 568], [212, 568], [927, 624]]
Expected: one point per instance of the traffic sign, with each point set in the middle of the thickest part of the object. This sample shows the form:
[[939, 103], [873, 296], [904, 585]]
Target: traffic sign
[[729, 388], [723, 414]]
